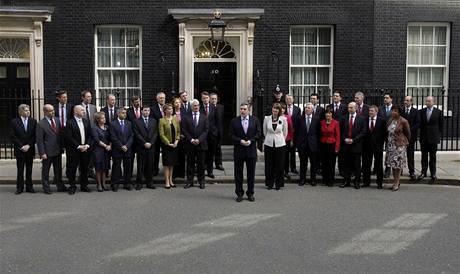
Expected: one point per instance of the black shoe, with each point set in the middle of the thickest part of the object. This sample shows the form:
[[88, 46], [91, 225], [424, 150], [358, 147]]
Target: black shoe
[[188, 185], [104, 188], [287, 176], [356, 185], [433, 179], [85, 189], [421, 177], [138, 187], [150, 186], [295, 172], [18, 192], [345, 184], [366, 185], [202, 185], [277, 188], [47, 191], [251, 198], [379, 186], [412, 176], [313, 182], [210, 175], [220, 167], [168, 187], [30, 190], [301, 183], [72, 190], [62, 189], [114, 188], [269, 187], [128, 187], [239, 199], [330, 184]]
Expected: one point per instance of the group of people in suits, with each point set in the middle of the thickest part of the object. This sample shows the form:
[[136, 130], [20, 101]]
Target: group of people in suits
[[192, 131]]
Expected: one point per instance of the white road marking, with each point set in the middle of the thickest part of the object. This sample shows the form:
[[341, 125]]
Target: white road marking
[[38, 218], [395, 235], [7, 227], [237, 220], [172, 244]]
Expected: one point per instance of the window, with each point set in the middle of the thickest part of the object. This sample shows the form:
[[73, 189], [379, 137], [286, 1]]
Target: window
[[311, 60], [427, 59], [118, 62]]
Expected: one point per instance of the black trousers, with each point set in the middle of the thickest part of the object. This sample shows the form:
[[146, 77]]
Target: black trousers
[[145, 166], [304, 156], [218, 154], [410, 157], [274, 166], [25, 161], [372, 155], [328, 157], [116, 170], [195, 158], [156, 158], [289, 159], [341, 162], [79, 160], [352, 164], [250, 171], [179, 170], [56, 161], [212, 144], [429, 149]]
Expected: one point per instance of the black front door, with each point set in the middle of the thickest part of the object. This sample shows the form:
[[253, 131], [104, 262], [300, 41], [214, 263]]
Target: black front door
[[219, 78]]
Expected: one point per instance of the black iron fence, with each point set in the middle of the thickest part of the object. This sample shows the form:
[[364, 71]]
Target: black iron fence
[[448, 101]]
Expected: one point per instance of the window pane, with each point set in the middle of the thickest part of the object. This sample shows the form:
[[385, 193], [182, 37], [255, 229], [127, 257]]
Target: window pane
[[132, 37], [133, 57], [310, 56], [118, 58], [297, 36], [103, 37], [427, 35], [296, 91], [104, 78], [118, 37], [323, 76], [413, 55], [412, 77], [103, 57], [119, 78], [133, 78], [297, 55], [309, 76], [324, 36], [310, 36], [427, 55], [324, 56], [296, 76], [439, 55], [307, 91], [440, 33], [438, 76], [425, 77], [414, 35]]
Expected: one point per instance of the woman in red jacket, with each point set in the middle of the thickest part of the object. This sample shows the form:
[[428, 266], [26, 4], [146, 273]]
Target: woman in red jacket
[[329, 146]]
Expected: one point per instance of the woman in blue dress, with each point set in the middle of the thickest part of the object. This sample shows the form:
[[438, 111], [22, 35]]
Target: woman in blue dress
[[101, 149]]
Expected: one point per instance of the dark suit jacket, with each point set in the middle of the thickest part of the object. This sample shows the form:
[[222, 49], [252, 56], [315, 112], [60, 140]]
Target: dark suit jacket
[[342, 111], [319, 112], [383, 114], [145, 134], [130, 115], [199, 132], [364, 111], [220, 117], [184, 111], [375, 139], [430, 131], [68, 111], [237, 134], [307, 141], [49, 142], [73, 137], [358, 133], [106, 111], [155, 112], [296, 112], [20, 137], [414, 122], [121, 138], [212, 119]]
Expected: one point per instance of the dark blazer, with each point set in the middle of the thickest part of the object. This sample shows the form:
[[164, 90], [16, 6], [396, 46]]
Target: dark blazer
[[414, 122], [49, 141], [213, 120], [20, 137], [304, 140], [319, 112], [220, 117], [183, 110], [358, 132], [199, 132], [73, 137], [68, 111], [364, 111], [237, 134], [106, 111], [155, 111], [342, 111], [130, 115], [383, 113], [121, 138], [430, 131], [145, 134], [376, 138], [296, 112]]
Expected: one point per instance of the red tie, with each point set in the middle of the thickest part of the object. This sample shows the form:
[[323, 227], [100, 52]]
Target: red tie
[[137, 113], [350, 126], [372, 124], [206, 111], [53, 125]]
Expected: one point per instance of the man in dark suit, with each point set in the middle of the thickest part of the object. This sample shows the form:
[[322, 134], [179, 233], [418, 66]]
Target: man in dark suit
[[121, 134], [361, 108], [244, 131], [373, 147], [184, 103], [195, 128], [385, 114], [220, 111], [146, 133], [77, 140], [133, 113], [318, 110], [110, 109], [431, 127], [352, 132], [306, 140], [156, 111], [90, 109], [210, 111], [63, 109], [49, 144], [23, 138], [339, 109], [412, 115], [294, 112]]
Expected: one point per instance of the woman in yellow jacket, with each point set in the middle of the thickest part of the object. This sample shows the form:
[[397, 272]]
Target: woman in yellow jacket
[[169, 129]]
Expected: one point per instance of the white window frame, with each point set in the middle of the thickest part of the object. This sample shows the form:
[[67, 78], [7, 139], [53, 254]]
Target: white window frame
[[111, 68], [330, 66], [445, 66]]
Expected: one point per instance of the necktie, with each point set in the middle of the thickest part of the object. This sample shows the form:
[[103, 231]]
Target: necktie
[[63, 116], [245, 125], [407, 111], [336, 108], [25, 124], [195, 122], [53, 125], [82, 130], [428, 114], [359, 110], [206, 110], [138, 114], [290, 111], [350, 126], [111, 115], [87, 112], [161, 110], [308, 123], [372, 124], [146, 120]]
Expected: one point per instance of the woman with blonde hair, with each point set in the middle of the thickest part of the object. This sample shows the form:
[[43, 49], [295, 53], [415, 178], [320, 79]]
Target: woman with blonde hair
[[101, 149]]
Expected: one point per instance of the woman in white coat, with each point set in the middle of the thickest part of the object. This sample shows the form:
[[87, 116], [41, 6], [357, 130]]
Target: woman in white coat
[[275, 129]]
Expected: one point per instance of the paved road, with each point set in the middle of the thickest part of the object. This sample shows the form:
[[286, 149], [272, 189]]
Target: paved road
[[296, 230]]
